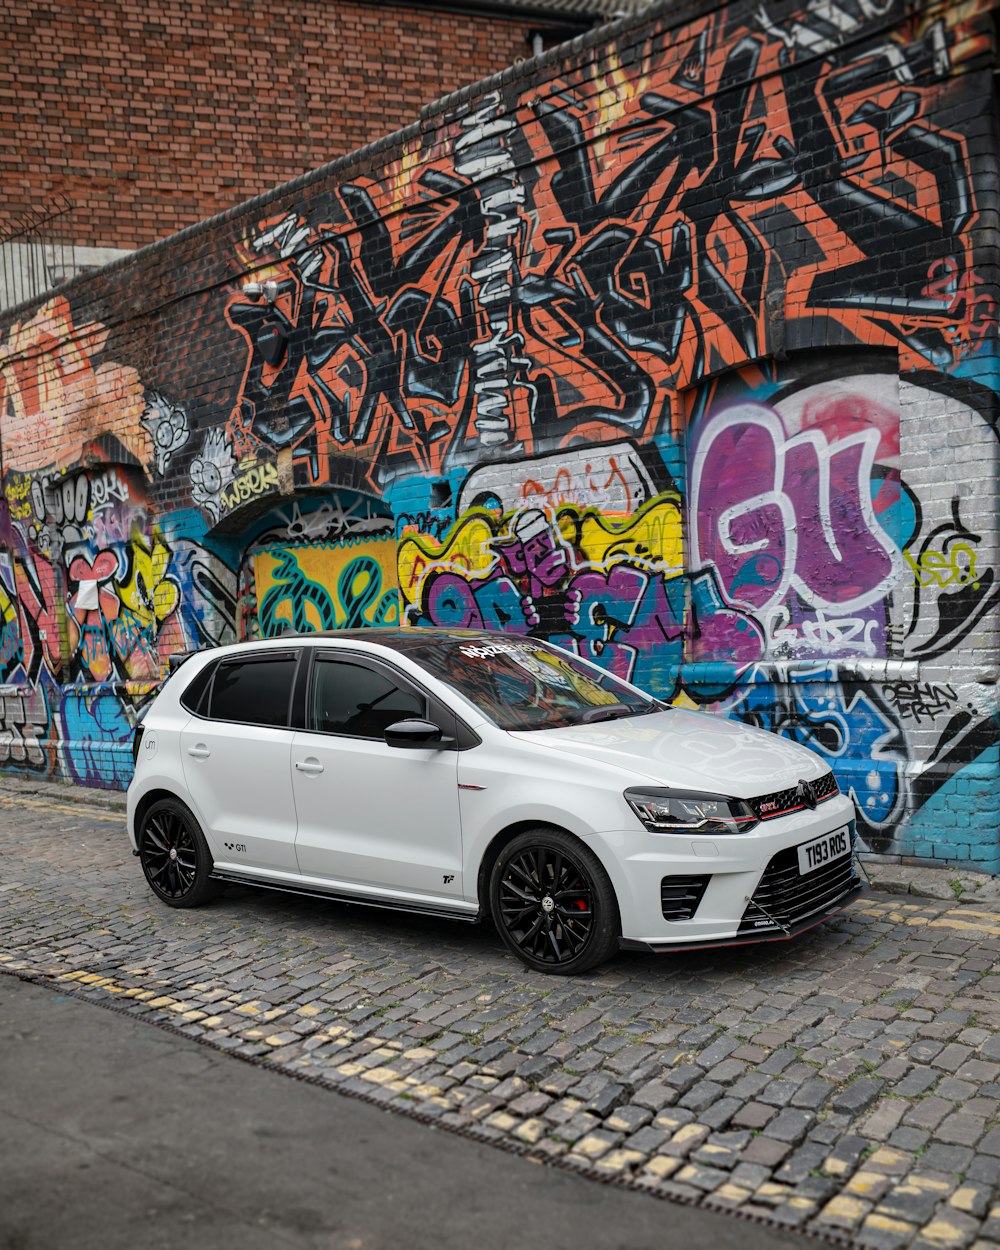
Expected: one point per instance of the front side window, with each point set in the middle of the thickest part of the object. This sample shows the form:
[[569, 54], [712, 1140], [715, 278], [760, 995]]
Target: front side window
[[359, 701], [253, 692], [527, 684]]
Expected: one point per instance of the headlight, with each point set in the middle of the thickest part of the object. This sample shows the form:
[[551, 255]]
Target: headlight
[[685, 811]]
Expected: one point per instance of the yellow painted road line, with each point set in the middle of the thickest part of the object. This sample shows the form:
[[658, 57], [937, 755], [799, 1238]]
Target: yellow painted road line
[[73, 809], [975, 926], [994, 915], [963, 919]]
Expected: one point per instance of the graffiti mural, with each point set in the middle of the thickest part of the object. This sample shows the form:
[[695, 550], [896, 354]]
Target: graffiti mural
[[212, 471], [778, 590], [168, 428], [820, 467], [795, 505], [613, 591], [326, 586], [680, 351], [461, 310], [93, 602], [950, 553], [60, 396], [323, 562], [847, 721]]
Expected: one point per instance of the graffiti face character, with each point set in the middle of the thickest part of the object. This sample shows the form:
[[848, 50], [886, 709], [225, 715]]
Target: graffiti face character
[[536, 549]]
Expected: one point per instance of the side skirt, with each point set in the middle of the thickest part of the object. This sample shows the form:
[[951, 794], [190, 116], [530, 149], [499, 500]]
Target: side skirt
[[357, 900]]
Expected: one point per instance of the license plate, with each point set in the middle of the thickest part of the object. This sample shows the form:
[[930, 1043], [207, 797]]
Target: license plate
[[820, 851]]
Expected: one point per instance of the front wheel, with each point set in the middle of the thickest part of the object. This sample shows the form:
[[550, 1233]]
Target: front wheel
[[553, 903], [175, 856]]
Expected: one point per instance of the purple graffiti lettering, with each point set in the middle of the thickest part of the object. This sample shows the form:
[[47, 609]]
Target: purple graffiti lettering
[[776, 514]]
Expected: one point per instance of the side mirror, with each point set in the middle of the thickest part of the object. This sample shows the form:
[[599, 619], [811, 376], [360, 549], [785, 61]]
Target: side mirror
[[415, 733]]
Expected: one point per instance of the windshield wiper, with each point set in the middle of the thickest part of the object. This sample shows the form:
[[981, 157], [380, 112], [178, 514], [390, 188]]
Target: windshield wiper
[[615, 711], [608, 711]]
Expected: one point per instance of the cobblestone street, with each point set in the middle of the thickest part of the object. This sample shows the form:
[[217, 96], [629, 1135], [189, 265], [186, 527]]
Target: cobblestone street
[[847, 1083]]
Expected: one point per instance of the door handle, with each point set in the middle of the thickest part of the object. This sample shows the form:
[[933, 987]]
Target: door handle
[[199, 751], [311, 766]]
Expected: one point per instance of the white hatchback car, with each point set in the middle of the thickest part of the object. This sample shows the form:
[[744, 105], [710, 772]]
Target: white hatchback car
[[468, 774]]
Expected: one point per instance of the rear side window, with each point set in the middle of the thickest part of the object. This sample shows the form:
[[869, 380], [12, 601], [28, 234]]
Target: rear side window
[[253, 692], [195, 697]]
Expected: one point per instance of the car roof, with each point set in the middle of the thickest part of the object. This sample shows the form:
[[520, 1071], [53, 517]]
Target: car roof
[[412, 638]]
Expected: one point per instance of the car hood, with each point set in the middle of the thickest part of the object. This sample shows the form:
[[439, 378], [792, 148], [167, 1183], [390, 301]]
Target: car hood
[[694, 750]]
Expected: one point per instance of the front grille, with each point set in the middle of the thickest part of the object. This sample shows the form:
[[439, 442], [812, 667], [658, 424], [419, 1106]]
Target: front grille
[[784, 898], [680, 896], [784, 802]]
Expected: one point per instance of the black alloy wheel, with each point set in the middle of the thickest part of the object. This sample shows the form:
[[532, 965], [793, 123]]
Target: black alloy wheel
[[553, 904], [175, 856]]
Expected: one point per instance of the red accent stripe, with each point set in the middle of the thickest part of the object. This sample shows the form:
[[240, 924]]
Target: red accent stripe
[[798, 807]]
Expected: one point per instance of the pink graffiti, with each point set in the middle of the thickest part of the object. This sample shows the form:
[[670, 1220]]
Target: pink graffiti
[[776, 514], [37, 600], [93, 607]]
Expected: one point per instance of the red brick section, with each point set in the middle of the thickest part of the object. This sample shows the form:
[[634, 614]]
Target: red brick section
[[150, 117]]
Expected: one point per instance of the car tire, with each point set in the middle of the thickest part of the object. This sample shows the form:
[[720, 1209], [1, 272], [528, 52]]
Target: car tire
[[553, 903], [175, 856]]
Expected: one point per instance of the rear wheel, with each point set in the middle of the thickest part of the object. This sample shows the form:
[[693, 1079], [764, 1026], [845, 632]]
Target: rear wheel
[[553, 903], [175, 856]]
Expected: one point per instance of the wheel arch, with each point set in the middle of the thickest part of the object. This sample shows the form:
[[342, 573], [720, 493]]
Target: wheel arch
[[147, 801], [506, 836]]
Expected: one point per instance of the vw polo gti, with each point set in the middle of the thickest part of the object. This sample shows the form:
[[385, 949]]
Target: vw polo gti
[[481, 775]]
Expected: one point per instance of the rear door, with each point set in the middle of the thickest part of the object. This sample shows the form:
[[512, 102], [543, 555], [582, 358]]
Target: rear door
[[380, 818], [237, 761]]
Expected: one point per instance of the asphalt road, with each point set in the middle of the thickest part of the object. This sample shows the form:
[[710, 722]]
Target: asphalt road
[[115, 1134]]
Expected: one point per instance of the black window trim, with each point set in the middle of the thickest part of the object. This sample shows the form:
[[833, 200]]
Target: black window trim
[[255, 657], [298, 711]]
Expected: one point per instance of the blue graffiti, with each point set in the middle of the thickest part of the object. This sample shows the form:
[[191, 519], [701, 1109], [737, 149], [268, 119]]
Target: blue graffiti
[[847, 723], [97, 736], [961, 818]]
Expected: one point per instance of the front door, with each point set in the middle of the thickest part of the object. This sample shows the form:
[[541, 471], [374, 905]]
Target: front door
[[379, 819]]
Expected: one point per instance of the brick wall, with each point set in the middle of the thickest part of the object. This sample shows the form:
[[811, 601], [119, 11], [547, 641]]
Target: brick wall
[[677, 348], [151, 119]]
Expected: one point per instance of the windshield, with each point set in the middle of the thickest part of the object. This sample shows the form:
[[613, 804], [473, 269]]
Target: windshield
[[526, 684]]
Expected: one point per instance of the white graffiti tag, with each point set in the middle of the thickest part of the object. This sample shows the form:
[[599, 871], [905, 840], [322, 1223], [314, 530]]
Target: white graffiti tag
[[167, 424]]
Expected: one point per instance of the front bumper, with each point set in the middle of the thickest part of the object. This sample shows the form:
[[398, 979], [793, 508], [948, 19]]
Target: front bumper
[[755, 937], [745, 881]]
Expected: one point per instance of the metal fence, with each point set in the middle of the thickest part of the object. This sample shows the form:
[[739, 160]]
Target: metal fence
[[36, 252]]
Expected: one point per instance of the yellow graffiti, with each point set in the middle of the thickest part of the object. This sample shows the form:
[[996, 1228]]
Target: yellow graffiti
[[466, 550], [259, 479], [326, 586], [654, 536], [18, 492], [955, 567], [8, 613], [147, 591]]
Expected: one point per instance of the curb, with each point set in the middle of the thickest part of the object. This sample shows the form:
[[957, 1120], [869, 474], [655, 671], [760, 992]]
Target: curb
[[13, 785]]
